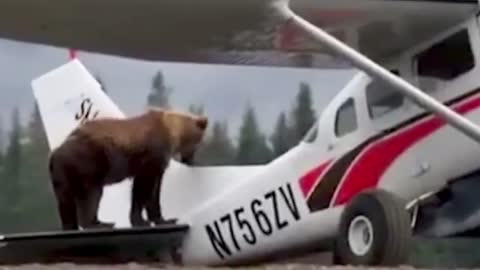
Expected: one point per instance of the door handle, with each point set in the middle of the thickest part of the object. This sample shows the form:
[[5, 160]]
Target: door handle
[[421, 169], [330, 146]]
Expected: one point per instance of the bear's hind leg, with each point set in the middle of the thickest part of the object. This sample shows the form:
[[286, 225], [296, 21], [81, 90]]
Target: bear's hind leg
[[88, 210], [154, 212], [141, 189], [67, 210], [64, 199]]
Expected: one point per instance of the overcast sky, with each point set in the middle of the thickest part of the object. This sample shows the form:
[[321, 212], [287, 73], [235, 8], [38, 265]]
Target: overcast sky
[[223, 90]]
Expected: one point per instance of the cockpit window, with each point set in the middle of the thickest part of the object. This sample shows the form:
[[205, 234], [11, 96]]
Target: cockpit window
[[382, 98], [346, 120], [447, 59]]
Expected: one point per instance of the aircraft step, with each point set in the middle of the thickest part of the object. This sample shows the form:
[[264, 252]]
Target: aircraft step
[[97, 246]]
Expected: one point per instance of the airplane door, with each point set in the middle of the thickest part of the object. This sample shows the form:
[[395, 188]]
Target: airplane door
[[401, 166], [384, 104]]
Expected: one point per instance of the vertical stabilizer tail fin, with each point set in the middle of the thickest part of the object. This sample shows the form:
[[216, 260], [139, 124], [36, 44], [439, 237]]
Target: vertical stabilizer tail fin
[[67, 96]]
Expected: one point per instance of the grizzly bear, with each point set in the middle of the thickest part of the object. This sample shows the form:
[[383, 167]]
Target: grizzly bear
[[105, 151]]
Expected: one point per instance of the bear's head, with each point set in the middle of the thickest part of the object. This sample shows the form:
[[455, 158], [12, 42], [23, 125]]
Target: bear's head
[[186, 131]]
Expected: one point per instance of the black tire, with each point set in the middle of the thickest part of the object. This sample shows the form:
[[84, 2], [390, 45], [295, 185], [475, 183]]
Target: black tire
[[390, 224]]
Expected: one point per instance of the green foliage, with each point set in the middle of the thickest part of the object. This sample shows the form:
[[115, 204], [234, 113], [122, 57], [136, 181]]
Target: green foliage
[[101, 82], [160, 92], [217, 148], [13, 163], [41, 208], [196, 109], [252, 145], [303, 115], [26, 200], [2, 146], [281, 137]]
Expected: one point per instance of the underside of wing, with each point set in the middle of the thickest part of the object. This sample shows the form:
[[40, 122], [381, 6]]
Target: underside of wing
[[246, 32]]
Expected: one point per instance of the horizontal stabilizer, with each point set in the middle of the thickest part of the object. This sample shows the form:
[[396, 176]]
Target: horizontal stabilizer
[[94, 245]]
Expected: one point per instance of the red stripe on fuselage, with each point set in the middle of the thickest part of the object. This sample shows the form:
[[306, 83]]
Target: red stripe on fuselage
[[367, 171], [311, 179]]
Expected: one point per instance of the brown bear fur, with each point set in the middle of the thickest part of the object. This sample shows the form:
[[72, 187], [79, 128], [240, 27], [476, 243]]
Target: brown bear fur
[[106, 151]]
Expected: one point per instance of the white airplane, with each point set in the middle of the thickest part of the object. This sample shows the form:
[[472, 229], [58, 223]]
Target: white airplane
[[394, 154]]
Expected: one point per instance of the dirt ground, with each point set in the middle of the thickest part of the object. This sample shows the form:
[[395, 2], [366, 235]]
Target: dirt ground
[[308, 262], [134, 266], [316, 260]]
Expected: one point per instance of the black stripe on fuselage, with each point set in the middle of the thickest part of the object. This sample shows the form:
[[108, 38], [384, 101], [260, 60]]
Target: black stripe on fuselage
[[323, 192]]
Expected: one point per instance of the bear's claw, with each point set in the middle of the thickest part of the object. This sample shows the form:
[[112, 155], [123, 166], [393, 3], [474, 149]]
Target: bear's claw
[[100, 225], [140, 223], [161, 221]]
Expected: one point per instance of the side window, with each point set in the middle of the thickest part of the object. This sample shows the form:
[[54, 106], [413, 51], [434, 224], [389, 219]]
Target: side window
[[382, 98], [346, 119], [447, 59]]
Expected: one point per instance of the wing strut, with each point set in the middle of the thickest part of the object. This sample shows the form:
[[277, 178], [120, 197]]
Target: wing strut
[[368, 66]]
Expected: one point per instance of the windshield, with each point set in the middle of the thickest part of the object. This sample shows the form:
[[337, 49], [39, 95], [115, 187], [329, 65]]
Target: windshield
[[311, 134]]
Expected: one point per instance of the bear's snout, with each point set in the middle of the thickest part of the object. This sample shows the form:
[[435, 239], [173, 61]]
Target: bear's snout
[[202, 123]]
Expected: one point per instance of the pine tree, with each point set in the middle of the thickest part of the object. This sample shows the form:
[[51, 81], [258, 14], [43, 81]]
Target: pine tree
[[303, 114], [38, 207], [101, 82], [2, 142], [2, 152], [11, 180], [36, 131], [281, 136], [217, 148], [196, 109], [160, 92], [252, 146]]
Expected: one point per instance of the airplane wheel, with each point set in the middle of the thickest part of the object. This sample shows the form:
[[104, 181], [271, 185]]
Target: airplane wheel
[[374, 230]]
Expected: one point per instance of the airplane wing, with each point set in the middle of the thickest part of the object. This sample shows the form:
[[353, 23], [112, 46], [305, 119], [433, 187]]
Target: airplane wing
[[121, 245], [240, 32]]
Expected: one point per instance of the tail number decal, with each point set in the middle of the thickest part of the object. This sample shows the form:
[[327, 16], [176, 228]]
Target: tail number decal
[[85, 112], [243, 230]]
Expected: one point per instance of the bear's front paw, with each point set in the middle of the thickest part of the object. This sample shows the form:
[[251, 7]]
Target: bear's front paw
[[99, 225], [188, 159], [160, 221], [140, 223], [103, 225]]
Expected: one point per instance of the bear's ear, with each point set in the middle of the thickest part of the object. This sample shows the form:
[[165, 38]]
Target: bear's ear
[[202, 122]]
